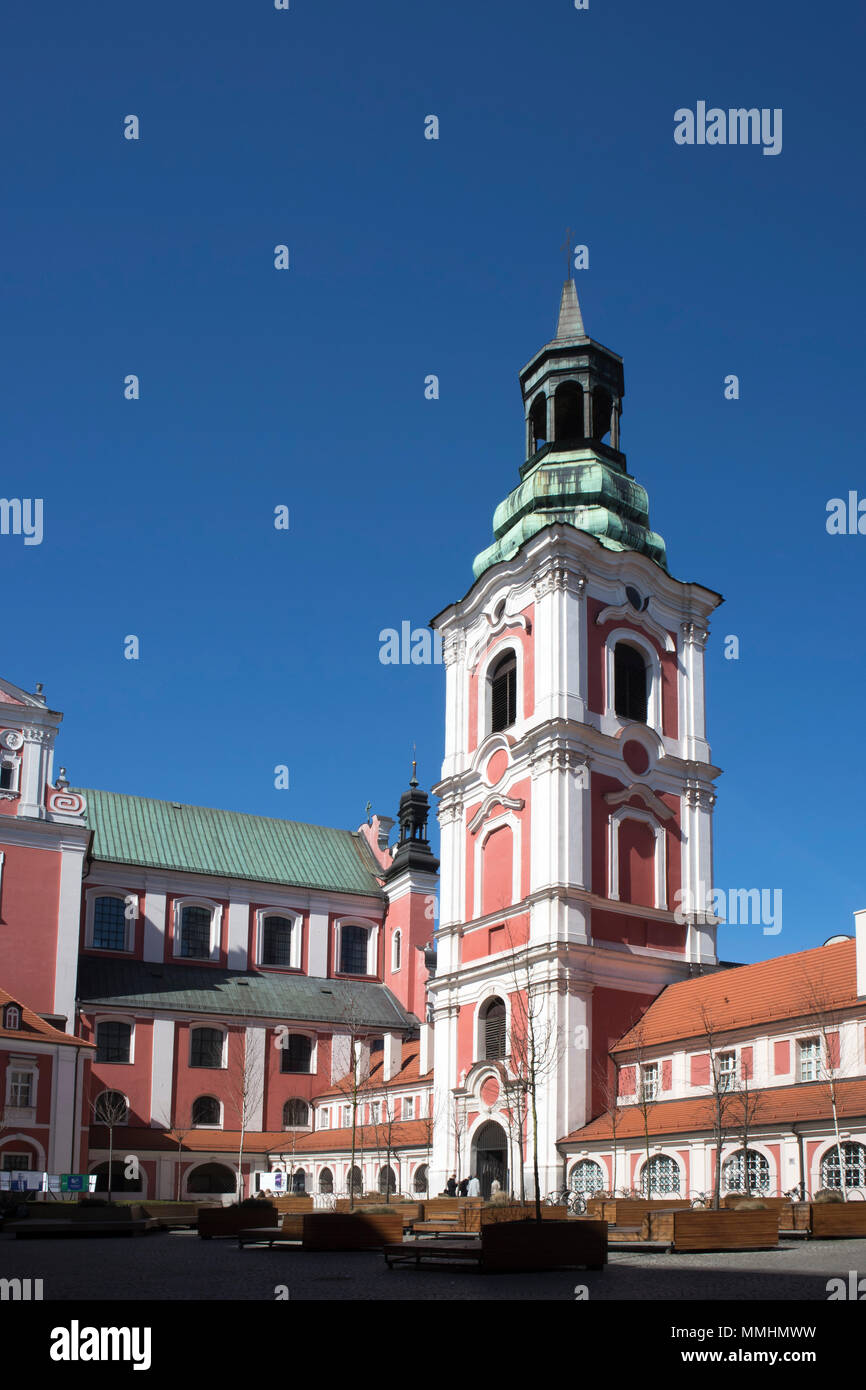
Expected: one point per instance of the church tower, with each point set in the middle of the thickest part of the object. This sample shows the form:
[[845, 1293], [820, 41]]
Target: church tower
[[577, 784]]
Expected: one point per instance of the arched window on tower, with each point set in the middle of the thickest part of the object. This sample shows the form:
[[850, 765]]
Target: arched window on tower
[[503, 693], [538, 423], [493, 1030], [396, 943], [568, 411], [602, 405], [630, 682]]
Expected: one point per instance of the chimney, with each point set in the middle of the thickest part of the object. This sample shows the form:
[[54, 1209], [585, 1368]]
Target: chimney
[[860, 929]]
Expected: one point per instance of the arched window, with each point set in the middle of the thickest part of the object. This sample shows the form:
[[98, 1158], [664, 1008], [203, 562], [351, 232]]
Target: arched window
[[113, 1041], [419, 1183], [295, 1113], [111, 1108], [295, 1052], [355, 1182], [387, 1180], [601, 408], [212, 1177], [299, 1182], [503, 693], [630, 682], [326, 1180], [12, 1018], [746, 1171], [568, 411], [195, 924], [206, 1111], [109, 924], [276, 941], [493, 1029], [587, 1176], [206, 1047], [353, 950], [119, 1180], [396, 942], [854, 1158], [538, 422], [663, 1174]]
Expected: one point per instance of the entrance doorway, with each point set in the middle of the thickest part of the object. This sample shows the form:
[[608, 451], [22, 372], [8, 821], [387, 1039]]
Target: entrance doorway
[[490, 1157]]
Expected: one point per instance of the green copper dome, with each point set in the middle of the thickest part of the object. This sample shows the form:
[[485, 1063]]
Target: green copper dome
[[572, 393]]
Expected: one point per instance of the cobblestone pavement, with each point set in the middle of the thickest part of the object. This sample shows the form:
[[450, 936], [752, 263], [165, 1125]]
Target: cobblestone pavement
[[177, 1267]]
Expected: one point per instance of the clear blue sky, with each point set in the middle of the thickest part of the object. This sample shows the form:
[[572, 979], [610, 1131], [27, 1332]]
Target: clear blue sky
[[305, 388]]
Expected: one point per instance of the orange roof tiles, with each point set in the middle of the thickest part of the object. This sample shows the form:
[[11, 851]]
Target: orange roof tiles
[[784, 1105], [369, 1139], [35, 1029], [407, 1074], [749, 995]]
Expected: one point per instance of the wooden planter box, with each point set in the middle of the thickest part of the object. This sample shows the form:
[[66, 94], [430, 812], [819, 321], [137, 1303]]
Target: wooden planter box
[[705, 1229], [631, 1211], [337, 1230], [228, 1221], [286, 1203], [830, 1220], [172, 1213], [519, 1245]]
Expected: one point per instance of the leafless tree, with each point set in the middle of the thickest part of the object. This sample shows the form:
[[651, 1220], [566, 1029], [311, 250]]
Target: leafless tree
[[721, 1081], [246, 1084], [831, 1065], [745, 1109], [534, 1047], [607, 1082], [353, 1083], [110, 1109], [645, 1093]]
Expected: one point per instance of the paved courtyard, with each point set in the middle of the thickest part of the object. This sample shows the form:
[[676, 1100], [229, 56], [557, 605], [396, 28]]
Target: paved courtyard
[[179, 1266]]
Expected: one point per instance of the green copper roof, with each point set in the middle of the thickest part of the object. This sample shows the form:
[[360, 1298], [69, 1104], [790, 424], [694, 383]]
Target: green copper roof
[[198, 840], [582, 488], [203, 989]]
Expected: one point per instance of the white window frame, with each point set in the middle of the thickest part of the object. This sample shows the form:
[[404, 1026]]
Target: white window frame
[[496, 990], [107, 1091], [396, 951], [726, 1071], [296, 951], [207, 1096], [813, 1053], [13, 760], [324, 1118], [650, 1071], [372, 930], [485, 688], [347, 1117], [114, 1018], [216, 912], [408, 1107], [8, 1011], [214, 1027], [32, 1075], [291, 1032], [615, 820], [654, 676], [375, 1112], [307, 1123], [90, 912]]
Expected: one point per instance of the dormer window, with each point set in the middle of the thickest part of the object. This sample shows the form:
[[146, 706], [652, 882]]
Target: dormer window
[[503, 693], [12, 1018]]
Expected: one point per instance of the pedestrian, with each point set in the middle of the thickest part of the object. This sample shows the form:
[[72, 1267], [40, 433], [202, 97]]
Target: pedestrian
[[451, 1186], [474, 1187], [495, 1186], [463, 1187]]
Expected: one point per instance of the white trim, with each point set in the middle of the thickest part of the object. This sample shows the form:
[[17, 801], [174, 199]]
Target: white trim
[[292, 1031], [491, 992], [372, 930], [215, 910], [98, 1020], [206, 1095], [295, 920], [90, 898], [511, 821], [654, 691], [625, 610], [484, 711], [216, 1028], [659, 854], [396, 950]]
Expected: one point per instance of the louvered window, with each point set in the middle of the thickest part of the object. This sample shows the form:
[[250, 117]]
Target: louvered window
[[630, 683], [494, 1030], [503, 693]]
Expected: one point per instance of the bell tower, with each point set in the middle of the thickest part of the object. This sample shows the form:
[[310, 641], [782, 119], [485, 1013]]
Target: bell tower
[[577, 784]]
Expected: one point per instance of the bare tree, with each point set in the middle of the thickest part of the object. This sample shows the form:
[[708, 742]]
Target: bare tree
[[745, 1109], [246, 1084], [353, 1083], [110, 1109], [829, 1068], [534, 1047], [646, 1090], [721, 1081], [607, 1082]]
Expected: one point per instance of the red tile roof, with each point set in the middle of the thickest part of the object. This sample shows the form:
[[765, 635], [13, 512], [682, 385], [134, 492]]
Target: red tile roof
[[35, 1029], [369, 1139], [407, 1074], [784, 1105], [749, 995]]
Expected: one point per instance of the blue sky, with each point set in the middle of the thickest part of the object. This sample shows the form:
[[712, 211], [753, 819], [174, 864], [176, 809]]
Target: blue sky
[[305, 388]]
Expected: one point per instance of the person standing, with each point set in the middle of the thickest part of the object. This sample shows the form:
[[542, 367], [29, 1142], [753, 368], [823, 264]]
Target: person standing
[[463, 1187], [474, 1187], [451, 1186]]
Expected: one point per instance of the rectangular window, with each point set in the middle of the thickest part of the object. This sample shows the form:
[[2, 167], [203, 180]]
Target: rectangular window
[[113, 1042], [347, 1117], [649, 1081], [409, 1108], [109, 924], [206, 1048], [810, 1059], [375, 1112], [324, 1119], [16, 1163], [7, 777], [727, 1073], [20, 1090]]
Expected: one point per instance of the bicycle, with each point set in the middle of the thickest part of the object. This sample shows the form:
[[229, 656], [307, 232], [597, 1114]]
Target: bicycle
[[574, 1202], [700, 1199]]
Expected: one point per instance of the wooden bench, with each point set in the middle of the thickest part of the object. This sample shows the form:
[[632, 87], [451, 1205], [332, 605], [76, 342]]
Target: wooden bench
[[289, 1232], [510, 1246], [836, 1220], [36, 1230], [327, 1230], [631, 1211]]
